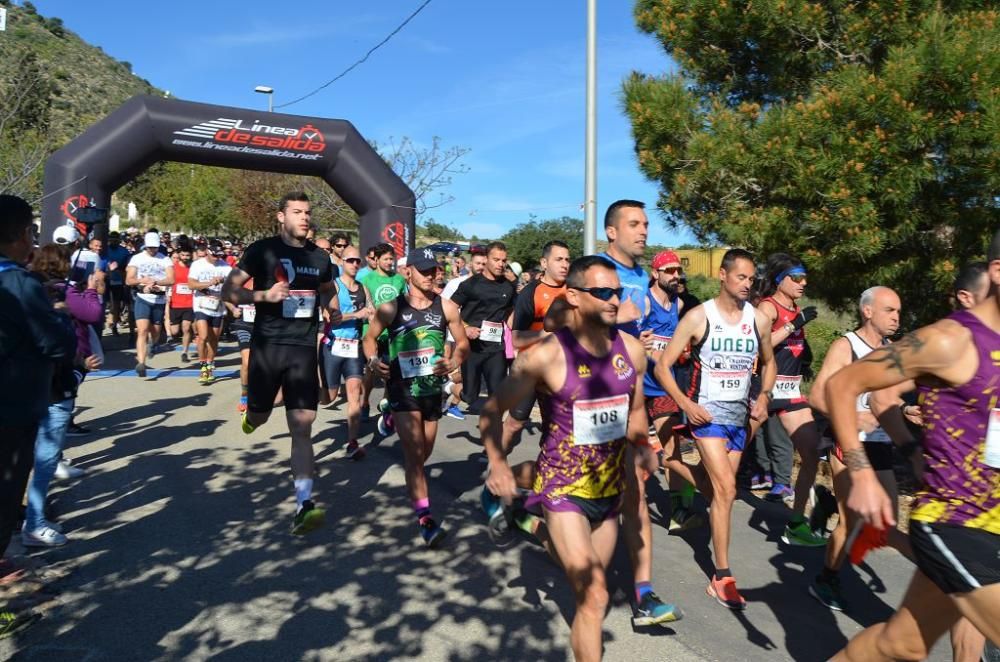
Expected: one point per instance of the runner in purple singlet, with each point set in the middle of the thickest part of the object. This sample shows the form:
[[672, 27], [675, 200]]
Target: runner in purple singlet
[[588, 377], [955, 524]]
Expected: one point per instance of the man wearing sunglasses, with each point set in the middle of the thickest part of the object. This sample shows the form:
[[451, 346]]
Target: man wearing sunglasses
[[589, 379], [340, 241], [725, 335], [416, 323]]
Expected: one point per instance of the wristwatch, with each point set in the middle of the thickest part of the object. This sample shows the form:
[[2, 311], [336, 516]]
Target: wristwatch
[[769, 394], [789, 327]]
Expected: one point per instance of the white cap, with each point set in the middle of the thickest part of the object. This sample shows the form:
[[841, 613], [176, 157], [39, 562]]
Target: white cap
[[65, 234], [152, 240], [401, 262], [516, 268]]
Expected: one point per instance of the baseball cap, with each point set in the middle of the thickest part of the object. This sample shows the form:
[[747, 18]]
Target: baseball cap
[[421, 259], [151, 240], [663, 258], [516, 268], [65, 234]]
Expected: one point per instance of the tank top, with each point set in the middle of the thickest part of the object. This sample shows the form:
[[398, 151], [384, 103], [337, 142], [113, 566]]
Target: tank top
[[859, 350], [416, 342], [585, 422], [181, 295], [788, 354], [962, 441], [723, 362], [662, 322], [349, 302]]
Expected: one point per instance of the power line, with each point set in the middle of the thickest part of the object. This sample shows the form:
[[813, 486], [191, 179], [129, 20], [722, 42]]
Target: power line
[[362, 60]]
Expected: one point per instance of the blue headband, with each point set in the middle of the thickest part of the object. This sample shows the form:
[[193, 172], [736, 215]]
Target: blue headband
[[791, 271]]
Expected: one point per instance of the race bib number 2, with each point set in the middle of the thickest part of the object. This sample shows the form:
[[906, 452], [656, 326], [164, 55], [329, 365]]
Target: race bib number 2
[[417, 363], [600, 421], [991, 453], [299, 304]]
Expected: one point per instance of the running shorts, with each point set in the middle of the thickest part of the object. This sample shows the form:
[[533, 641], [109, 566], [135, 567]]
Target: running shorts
[[958, 559], [595, 510], [214, 322], [336, 368], [292, 368], [735, 435], [400, 399], [661, 406], [178, 315], [780, 407], [244, 332], [143, 310], [879, 454]]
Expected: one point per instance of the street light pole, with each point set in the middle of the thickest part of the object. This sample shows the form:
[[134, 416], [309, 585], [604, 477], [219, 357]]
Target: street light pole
[[269, 91], [590, 180]]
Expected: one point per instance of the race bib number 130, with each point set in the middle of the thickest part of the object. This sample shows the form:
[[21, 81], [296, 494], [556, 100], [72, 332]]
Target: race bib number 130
[[417, 363]]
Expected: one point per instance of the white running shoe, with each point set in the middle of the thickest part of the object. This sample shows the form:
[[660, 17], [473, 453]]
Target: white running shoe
[[65, 471], [43, 536]]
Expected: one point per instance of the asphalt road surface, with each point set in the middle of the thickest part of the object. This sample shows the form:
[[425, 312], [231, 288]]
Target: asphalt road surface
[[180, 549]]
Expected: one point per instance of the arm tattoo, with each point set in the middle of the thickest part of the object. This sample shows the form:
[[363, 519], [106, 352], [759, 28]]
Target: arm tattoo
[[856, 459], [894, 354]]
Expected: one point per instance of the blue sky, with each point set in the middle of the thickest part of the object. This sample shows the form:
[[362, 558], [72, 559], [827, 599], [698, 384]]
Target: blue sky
[[505, 80]]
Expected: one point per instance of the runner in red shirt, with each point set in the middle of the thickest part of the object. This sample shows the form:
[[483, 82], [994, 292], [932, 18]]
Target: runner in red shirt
[[180, 312]]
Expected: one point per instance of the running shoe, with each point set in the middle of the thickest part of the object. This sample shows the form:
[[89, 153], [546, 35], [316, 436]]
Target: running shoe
[[203, 378], [140, 369], [11, 623], [245, 425], [454, 412], [801, 534], [431, 531], [651, 610], [780, 492], [76, 430], [761, 482], [354, 451], [242, 406], [43, 536], [684, 519], [185, 358], [725, 593], [490, 502], [66, 471], [309, 518], [385, 425], [828, 593]]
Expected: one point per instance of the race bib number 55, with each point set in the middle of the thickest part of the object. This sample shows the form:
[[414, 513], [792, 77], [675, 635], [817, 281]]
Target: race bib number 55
[[600, 421]]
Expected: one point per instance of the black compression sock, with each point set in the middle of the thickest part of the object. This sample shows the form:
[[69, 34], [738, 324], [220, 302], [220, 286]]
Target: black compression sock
[[722, 573]]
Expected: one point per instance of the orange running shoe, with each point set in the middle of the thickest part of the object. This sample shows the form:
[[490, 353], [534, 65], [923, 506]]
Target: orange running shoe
[[725, 593]]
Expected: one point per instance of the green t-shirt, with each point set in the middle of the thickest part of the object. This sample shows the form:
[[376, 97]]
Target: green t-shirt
[[383, 289]]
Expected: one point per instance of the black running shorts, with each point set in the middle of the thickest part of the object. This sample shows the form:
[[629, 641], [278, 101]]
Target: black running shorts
[[292, 368], [400, 399], [958, 559]]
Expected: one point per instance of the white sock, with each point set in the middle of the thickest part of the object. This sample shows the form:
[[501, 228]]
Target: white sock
[[303, 490]]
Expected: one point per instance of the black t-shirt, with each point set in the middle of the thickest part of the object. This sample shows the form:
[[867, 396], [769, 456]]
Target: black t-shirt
[[485, 300], [295, 320]]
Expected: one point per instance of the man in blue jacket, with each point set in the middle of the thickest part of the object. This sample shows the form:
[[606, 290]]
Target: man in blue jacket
[[32, 339]]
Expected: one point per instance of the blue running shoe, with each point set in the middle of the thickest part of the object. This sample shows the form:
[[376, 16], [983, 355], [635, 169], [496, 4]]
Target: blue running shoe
[[455, 413], [431, 532], [490, 502], [780, 492], [653, 611]]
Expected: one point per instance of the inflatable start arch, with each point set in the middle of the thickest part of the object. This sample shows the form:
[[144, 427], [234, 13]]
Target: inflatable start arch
[[146, 130]]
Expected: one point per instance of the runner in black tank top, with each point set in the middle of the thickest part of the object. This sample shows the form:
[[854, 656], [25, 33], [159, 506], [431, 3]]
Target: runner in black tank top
[[416, 323]]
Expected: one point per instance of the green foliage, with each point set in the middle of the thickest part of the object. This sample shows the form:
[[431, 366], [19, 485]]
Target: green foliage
[[525, 241], [439, 231], [703, 287], [861, 137]]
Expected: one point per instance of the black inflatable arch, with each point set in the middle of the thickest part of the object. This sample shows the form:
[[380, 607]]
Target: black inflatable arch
[[146, 130]]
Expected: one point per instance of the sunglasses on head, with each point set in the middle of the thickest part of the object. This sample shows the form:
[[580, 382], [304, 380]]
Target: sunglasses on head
[[602, 293], [352, 260], [671, 270]]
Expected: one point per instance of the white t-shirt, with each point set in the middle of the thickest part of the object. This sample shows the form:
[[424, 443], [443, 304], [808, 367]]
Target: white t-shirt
[[155, 268], [209, 301], [449, 289]]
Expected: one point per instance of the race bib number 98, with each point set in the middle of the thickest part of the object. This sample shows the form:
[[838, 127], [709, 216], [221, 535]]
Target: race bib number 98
[[600, 421], [491, 332]]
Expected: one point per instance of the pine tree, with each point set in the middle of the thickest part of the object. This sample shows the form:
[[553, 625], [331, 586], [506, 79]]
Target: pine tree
[[861, 136]]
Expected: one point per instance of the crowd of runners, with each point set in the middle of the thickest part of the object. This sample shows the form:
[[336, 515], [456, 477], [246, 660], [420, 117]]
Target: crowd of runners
[[626, 372]]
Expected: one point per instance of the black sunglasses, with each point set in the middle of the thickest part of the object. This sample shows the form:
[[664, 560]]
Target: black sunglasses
[[352, 260], [602, 293], [340, 245]]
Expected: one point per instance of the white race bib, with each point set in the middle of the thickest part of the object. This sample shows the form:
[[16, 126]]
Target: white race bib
[[727, 385], [600, 421], [299, 304], [491, 332], [346, 348], [416, 363], [209, 302], [182, 288], [787, 388], [991, 453], [249, 313], [660, 343]]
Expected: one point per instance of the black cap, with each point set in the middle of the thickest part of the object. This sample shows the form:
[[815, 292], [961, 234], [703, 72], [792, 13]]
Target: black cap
[[421, 259]]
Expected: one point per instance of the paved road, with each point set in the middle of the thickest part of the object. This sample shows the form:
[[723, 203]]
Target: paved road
[[180, 549]]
